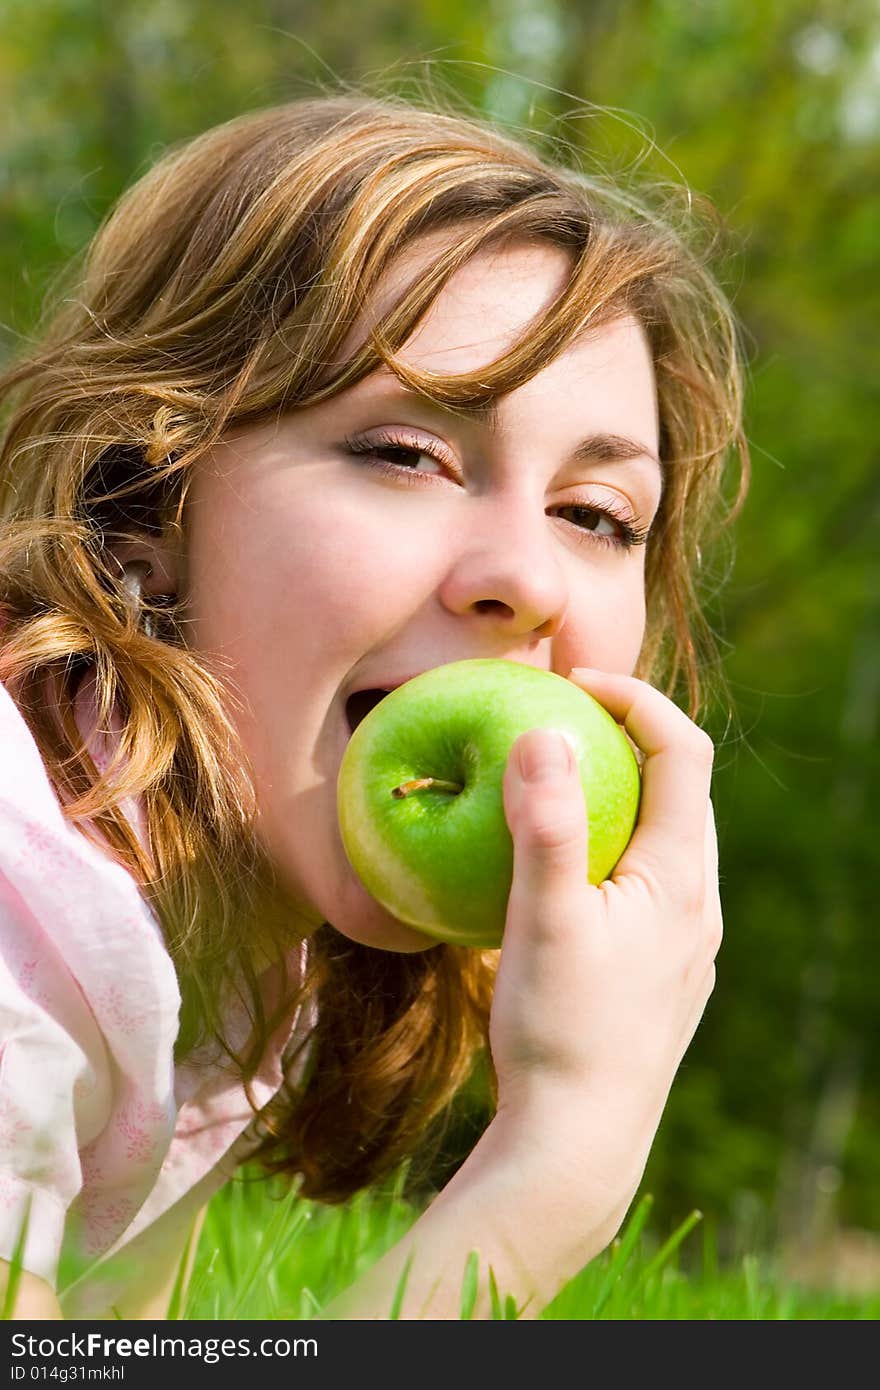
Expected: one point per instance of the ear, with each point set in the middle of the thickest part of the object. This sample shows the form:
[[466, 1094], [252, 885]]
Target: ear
[[158, 562]]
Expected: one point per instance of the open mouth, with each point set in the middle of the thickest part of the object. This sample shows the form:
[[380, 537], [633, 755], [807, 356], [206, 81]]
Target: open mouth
[[358, 706]]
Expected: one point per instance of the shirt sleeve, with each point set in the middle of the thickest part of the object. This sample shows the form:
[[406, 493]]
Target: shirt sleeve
[[54, 1088], [88, 1015]]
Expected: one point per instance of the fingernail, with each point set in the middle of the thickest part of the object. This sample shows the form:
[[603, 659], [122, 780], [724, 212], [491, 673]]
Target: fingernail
[[544, 754]]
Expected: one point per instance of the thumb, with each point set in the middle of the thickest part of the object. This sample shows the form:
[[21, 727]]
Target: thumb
[[546, 812]]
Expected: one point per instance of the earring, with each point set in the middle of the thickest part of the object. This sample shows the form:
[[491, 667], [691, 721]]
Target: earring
[[133, 576]]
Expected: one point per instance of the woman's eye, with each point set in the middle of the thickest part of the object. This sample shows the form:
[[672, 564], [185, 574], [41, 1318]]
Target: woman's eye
[[410, 456], [406, 457], [591, 519], [606, 526]]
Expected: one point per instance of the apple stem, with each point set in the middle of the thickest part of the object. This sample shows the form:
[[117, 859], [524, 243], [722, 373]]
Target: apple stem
[[420, 784]]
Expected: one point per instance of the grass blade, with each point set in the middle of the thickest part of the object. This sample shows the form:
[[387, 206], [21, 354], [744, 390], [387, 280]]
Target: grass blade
[[16, 1266], [622, 1251], [469, 1286], [506, 1311], [274, 1237], [175, 1303], [497, 1312], [667, 1249], [314, 1307], [397, 1302]]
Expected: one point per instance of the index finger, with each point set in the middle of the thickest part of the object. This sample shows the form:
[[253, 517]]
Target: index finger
[[677, 768]]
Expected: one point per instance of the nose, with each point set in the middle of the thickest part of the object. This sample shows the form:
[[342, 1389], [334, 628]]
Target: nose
[[506, 569]]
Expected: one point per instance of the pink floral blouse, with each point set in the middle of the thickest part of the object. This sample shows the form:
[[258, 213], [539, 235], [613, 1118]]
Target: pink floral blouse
[[102, 1138]]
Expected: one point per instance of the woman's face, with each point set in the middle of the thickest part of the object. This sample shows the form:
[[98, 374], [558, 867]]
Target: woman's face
[[315, 572]]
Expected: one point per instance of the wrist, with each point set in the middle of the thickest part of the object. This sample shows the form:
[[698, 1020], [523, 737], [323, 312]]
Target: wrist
[[609, 1127], [552, 1182]]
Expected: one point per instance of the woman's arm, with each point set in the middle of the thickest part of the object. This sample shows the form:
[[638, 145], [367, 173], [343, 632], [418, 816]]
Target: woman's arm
[[598, 993]]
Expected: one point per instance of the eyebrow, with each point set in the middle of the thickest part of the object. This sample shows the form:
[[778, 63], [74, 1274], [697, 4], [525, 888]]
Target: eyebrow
[[600, 447], [612, 448]]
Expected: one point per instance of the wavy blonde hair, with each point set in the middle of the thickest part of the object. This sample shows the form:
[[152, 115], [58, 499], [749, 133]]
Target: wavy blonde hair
[[214, 295]]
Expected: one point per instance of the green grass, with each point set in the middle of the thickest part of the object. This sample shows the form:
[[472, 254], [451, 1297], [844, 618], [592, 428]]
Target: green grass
[[261, 1256], [264, 1254]]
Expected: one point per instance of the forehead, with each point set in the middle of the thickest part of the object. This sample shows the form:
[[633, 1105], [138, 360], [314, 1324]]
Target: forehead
[[481, 311], [484, 309], [604, 379]]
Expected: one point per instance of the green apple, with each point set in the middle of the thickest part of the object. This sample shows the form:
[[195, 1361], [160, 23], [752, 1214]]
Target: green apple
[[419, 792]]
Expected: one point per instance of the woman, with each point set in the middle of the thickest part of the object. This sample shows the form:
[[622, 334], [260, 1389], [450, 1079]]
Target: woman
[[350, 389]]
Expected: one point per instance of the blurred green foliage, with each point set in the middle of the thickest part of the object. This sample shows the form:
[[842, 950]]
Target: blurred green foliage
[[772, 109]]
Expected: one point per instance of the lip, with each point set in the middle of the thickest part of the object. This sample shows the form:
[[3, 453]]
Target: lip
[[387, 685], [392, 683], [349, 708]]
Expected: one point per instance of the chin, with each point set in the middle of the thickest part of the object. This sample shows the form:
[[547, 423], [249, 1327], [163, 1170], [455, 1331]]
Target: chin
[[337, 898], [345, 904], [357, 916]]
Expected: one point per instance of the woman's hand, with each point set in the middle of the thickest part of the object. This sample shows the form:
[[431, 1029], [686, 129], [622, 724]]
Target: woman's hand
[[600, 989], [597, 995]]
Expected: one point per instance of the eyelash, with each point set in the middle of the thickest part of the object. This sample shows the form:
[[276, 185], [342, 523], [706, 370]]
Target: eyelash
[[630, 535]]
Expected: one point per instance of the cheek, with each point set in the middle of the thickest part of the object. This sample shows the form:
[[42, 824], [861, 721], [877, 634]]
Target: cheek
[[299, 576], [605, 623]]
